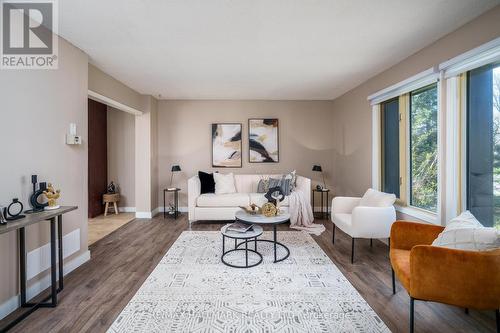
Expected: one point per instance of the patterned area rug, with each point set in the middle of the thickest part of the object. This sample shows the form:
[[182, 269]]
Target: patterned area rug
[[192, 291]]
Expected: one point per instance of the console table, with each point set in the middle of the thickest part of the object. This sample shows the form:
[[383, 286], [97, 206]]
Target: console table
[[55, 218]]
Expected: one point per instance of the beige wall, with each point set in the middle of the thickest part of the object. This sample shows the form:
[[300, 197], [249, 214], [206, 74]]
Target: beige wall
[[121, 154], [184, 137], [109, 87], [351, 123], [38, 106]]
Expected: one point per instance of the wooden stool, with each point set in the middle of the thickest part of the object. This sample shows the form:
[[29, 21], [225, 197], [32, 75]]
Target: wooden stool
[[111, 198]]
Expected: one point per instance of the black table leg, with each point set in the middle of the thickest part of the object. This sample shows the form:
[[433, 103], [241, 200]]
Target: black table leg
[[275, 240], [327, 202], [22, 265], [176, 203], [53, 265], [322, 211], [60, 250], [223, 244], [164, 208], [246, 254]]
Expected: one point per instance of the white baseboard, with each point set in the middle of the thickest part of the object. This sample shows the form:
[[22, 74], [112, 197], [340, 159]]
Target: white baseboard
[[143, 215], [36, 288], [38, 260], [126, 209]]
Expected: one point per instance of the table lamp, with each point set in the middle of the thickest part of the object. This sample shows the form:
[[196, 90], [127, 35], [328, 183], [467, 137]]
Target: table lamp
[[318, 168], [175, 168]]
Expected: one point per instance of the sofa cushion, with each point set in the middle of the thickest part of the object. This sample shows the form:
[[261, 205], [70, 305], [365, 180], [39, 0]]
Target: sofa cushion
[[207, 182], [259, 199], [400, 261], [224, 184], [223, 200], [374, 198]]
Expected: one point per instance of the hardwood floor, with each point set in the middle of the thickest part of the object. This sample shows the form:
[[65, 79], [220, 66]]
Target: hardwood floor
[[96, 292], [101, 226]]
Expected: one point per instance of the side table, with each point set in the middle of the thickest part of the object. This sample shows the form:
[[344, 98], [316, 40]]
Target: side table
[[110, 198], [324, 205], [246, 237], [175, 191]]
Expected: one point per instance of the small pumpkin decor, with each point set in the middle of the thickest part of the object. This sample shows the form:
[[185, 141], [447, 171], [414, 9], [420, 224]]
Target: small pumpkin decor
[[268, 209]]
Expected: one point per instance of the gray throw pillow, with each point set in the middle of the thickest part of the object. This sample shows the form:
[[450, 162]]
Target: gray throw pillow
[[284, 183], [263, 186]]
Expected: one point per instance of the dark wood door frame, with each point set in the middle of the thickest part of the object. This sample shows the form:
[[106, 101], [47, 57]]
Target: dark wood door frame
[[97, 156]]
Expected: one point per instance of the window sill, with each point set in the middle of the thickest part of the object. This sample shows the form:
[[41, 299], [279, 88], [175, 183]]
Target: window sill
[[419, 214]]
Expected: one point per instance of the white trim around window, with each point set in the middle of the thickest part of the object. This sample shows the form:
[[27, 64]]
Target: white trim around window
[[417, 81], [452, 171], [482, 55]]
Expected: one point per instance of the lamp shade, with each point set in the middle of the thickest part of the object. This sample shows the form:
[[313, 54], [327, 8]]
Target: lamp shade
[[317, 168], [176, 168]]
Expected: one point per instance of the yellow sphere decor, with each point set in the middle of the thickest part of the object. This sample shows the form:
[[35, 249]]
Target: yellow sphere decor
[[268, 209]]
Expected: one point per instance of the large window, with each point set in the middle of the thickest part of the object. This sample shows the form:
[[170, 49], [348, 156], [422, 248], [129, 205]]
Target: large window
[[423, 148], [390, 146], [483, 144]]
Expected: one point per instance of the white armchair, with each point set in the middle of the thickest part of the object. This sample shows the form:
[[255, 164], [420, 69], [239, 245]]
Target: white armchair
[[369, 217]]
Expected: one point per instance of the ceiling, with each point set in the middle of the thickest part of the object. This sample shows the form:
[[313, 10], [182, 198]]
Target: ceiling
[[256, 49]]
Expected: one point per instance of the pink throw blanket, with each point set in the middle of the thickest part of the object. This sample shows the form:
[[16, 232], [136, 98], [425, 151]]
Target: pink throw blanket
[[301, 214]]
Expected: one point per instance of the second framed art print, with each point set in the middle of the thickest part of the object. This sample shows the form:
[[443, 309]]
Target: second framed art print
[[263, 140]]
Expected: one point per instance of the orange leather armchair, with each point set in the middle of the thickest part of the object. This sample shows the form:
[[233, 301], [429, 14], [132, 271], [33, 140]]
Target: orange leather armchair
[[467, 279]]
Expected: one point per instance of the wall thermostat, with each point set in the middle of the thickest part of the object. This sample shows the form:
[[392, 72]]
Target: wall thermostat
[[72, 138]]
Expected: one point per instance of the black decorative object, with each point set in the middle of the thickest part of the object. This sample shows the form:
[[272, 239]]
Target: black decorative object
[[111, 188], [271, 197], [11, 213], [35, 204]]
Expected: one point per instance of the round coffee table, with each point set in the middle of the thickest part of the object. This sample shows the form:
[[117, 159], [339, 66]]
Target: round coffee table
[[262, 220], [249, 236]]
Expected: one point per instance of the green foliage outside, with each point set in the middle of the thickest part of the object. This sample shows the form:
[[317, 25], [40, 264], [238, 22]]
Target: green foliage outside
[[424, 127]]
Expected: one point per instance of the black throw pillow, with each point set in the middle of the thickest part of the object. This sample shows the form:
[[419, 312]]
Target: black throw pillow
[[207, 182]]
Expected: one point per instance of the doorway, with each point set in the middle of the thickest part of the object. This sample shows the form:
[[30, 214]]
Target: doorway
[[111, 152]]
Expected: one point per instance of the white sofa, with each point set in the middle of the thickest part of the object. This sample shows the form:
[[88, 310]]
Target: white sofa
[[369, 217], [221, 207]]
